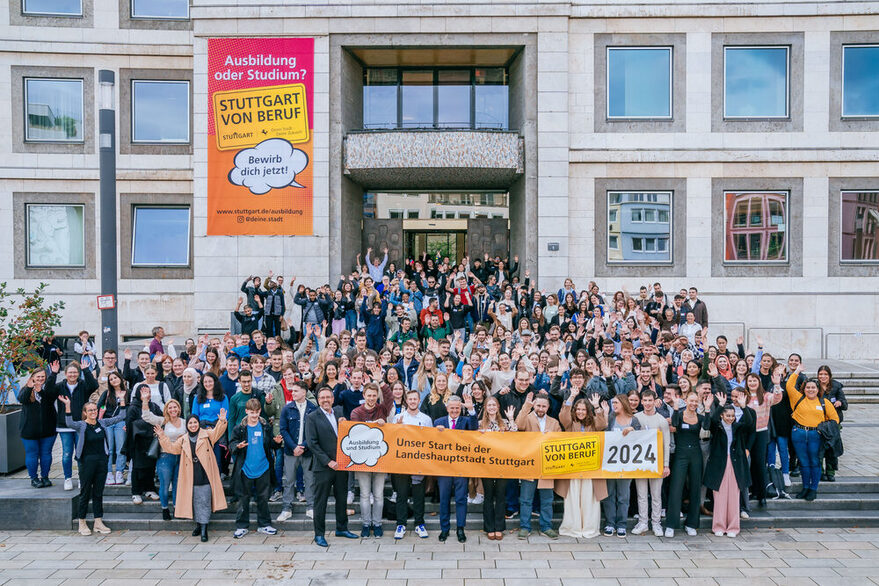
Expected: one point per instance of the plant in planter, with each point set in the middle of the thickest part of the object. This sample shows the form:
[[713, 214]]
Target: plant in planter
[[26, 318]]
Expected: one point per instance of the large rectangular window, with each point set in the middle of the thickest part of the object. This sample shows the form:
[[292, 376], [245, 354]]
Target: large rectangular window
[[160, 111], [53, 110], [435, 98], [52, 7], [859, 226], [160, 236], [160, 9], [860, 80], [55, 236], [639, 82], [756, 226], [644, 233], [755, 82]]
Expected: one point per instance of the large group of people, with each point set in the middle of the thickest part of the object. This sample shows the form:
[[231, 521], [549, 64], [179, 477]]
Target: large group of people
[[469, 346]]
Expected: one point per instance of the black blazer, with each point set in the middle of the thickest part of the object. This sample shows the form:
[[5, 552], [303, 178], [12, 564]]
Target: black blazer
[[321, 438], [742, 431], [464, 422]]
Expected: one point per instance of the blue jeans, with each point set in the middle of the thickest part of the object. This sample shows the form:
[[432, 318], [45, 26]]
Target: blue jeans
[[526, 498], [511, 496], [166, 467], [279, 469], [616, 505], [68, 447], [115, 441], [38, 452], [781, 444], [351, 320], [806, 444]]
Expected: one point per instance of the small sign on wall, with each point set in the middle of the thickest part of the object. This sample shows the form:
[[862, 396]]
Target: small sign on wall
[[106, 302]]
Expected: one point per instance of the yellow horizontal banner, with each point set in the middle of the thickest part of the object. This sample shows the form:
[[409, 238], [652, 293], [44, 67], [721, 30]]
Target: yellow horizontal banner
[[428, 451]]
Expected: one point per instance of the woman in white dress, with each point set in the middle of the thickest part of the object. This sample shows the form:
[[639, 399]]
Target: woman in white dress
[[583, 496]]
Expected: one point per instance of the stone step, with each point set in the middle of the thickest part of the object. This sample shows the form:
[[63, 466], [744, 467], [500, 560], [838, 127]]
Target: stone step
[[836, 501], [865, 399]]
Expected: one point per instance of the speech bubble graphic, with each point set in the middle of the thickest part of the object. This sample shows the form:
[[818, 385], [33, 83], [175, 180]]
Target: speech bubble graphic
[[364, 445], [272, 164]]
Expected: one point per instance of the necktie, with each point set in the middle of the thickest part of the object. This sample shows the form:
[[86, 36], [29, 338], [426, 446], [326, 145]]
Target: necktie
[[453, 424]]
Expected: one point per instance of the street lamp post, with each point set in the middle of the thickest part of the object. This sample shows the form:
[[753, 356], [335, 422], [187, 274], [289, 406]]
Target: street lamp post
[[107, 150]]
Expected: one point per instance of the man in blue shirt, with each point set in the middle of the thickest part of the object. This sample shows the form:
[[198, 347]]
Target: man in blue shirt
[[253, 447]]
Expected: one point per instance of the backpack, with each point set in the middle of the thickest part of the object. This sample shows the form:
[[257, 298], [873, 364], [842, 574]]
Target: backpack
[[775, 485]]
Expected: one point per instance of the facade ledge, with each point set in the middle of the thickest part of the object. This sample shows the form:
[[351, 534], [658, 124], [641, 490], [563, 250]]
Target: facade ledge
[[434, 159]]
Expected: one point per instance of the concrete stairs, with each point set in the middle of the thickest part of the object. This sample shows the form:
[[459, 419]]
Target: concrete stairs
[[848, 502], [860, 388]]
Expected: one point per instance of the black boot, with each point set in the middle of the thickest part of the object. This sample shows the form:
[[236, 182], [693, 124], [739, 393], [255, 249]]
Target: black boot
[[811, 494], [802, 493], [831, 476], [204, 533], [197, 531], [166, 514]]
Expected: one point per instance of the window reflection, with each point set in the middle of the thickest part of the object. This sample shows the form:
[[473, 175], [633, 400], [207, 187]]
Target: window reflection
[[643, 235], [435, 98], [860, 80], [639, 82], [425, 206], [763, 237], [859, 215], [755, 82]]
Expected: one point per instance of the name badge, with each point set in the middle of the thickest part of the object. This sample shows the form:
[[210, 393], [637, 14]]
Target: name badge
[[818, 407], [98, 430], [362, 401], [685, 426], [257, 434]]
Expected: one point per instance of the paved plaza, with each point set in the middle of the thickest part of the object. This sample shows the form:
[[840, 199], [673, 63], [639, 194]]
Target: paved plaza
[[800, 557]]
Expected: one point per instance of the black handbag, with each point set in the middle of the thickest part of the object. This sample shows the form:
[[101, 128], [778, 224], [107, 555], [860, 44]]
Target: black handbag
[[153, 451]]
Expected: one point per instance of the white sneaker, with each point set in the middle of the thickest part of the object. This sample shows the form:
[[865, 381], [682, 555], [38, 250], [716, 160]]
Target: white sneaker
[[137, 499], [744, 515], [350, 497], [239, 533], [732, 534], [119, 478], [111, 479], [300, 496], [787, 481], [151, 495], [718, 533], [267, 530], [421, 532], [128, 480], [469, 500], [400, 532], [640, 528], [393, 498], [657, 530], [690, 531], [669, 532], [68, 484], [309, 513], [285, 514], [479, 499]]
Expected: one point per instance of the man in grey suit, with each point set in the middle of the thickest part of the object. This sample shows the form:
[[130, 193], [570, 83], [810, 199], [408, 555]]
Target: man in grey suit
[[322, 433]]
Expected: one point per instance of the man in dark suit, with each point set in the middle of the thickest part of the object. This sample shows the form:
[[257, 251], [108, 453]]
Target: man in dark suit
[[322, 433], [454, 420]]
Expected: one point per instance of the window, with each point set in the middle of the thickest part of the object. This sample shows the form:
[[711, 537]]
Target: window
[[380, 98], [412, 214], [860, 80], [160, 111], [756, 227], [52, 7], [859, 233], [160, 9], [394, 214], [54, 110], [755, 82], [644, 234], [435, 98], [55, 236], [639, 82], [160, 236]]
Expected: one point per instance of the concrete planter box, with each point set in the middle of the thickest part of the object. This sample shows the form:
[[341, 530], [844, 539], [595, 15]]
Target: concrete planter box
[[11, 448]]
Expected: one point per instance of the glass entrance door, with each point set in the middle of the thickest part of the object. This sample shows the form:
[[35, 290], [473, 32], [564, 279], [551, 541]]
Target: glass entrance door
[[436, 244]]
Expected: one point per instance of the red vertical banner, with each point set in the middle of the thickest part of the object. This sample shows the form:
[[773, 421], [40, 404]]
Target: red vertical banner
[[260, 112]]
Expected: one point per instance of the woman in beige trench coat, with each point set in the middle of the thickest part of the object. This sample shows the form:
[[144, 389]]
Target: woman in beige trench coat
[[199, 488]]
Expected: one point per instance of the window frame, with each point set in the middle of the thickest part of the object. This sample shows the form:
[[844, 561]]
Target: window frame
[[610, 195], [749, 230], [134, 16], [80, 14], [138, 206], [853, 262], [787, 82], [132, 105], [82, 111], [842, 113], [27, 227], [671, 82]]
